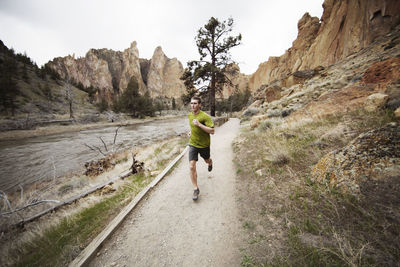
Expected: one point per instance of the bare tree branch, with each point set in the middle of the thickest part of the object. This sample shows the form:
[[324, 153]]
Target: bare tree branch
[[119, 146], [116, 132], [4, 196], [95, 149], [22, 192], [54, 168], [105, 146]]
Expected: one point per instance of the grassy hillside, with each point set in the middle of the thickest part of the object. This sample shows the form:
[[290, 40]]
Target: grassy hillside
[[291, 220], [319, 167], [29, 94]]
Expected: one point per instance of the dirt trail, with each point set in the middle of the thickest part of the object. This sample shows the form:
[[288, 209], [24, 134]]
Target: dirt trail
[[169, 229]]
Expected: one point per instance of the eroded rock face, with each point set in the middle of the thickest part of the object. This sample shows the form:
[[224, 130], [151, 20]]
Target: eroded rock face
[[110, 71], [372, 89], [239, 82], [366, 78], [382, 72], [374, 155], [268, 93], [163, 76], [346, 27], [107, 70]]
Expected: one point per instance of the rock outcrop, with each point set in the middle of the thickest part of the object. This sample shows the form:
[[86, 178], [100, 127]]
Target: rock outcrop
[[366, 81], [163, 76], [239, 81], [346, 27], [374, 155], [107, 70], [110, 72]]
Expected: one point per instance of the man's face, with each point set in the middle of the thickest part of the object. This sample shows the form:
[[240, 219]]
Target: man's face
[[195, 105]]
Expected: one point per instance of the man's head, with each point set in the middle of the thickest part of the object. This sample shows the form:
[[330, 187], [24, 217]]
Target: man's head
[[195, 103]]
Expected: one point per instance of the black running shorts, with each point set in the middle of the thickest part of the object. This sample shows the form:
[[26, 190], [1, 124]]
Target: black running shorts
[[195, 151]]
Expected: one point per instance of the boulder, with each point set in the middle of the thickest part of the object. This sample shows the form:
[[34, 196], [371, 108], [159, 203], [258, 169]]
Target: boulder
[[274, 113], [374, 155], [249, 112], [273, 93], [375, 102], [397, 112], [306, 74]]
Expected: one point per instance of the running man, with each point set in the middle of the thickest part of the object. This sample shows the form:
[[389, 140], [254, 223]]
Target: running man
[[201, 126]]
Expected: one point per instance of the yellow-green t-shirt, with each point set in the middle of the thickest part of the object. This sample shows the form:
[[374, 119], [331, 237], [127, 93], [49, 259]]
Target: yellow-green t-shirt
[[198, 137]]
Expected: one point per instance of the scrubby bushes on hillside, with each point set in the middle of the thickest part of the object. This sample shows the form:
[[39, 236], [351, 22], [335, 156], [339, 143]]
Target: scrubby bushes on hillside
[[236, 102], [132, 102]]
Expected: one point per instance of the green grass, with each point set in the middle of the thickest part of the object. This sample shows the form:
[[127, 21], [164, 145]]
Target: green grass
[[248, 261], [122, 160], [59, 244], [248, 225]]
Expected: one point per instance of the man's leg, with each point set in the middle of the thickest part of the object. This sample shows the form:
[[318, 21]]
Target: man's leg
[[193, 176], [205, 154], [193, 173], [209, 162]]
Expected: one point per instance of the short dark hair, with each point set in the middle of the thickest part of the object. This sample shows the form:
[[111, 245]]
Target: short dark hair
[[197, 98]]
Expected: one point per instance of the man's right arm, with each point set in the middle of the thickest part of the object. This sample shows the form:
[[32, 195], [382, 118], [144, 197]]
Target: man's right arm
[[203, 127]]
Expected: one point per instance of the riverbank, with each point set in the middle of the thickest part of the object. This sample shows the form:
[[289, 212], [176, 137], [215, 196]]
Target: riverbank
[[15, 244], [74, 127]]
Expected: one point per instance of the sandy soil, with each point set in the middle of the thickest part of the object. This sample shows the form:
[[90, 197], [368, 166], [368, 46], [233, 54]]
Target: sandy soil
[[168, 228]]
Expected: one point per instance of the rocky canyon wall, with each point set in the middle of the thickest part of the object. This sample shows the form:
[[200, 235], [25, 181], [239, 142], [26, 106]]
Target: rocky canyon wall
[[346, 27], [110, 71], [239, 81], [163, 76]]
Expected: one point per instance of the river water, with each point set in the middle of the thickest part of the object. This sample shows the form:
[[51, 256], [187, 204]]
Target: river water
[[37, 158]]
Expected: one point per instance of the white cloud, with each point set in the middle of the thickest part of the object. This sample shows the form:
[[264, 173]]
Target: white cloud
[[46, 29]]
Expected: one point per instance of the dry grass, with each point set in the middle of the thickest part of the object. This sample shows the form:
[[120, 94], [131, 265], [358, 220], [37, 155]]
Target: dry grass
[[296, 222], [55, 239]]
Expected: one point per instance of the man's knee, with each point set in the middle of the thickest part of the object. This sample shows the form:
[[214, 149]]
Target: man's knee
[[192, 165]]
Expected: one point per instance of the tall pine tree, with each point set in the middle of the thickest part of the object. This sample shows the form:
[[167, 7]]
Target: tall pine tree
[[209, 73]]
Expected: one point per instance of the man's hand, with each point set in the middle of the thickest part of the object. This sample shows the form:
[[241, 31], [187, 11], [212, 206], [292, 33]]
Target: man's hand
[[203, 127]]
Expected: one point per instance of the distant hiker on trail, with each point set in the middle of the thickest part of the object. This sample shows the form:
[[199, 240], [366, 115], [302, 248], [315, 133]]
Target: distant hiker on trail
[[201, 126]]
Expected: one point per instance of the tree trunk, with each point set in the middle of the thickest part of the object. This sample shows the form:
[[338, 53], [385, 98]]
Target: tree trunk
[[71, 115], [212, 89], [212, 96]]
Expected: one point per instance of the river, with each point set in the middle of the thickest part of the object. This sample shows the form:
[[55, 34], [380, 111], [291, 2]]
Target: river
[[38, 158]]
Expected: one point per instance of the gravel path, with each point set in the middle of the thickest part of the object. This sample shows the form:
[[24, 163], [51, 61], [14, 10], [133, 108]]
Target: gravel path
[[169, 229]]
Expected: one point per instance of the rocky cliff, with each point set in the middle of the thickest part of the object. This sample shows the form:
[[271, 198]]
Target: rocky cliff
[[346, 27], [110, 71], [239, 81], [163, 76], [364, 82]]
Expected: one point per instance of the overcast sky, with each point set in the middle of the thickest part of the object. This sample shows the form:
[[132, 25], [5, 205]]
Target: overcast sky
[[45, 29]]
